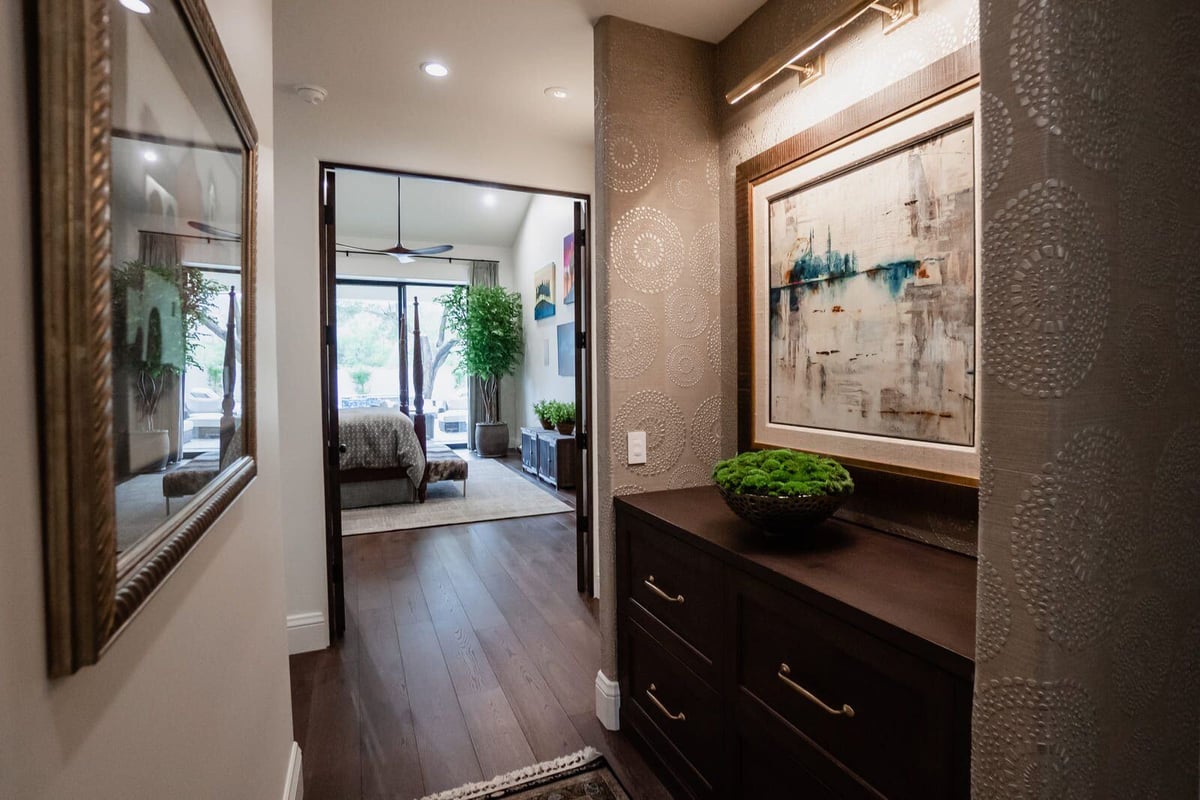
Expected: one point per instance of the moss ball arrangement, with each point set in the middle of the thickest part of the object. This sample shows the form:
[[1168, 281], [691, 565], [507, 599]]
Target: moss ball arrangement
[[782, 490]]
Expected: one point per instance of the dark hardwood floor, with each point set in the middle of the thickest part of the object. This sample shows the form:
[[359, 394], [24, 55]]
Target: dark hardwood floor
[[468, 653]]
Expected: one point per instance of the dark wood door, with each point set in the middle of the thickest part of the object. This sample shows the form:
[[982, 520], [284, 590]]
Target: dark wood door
[[581, 277], [329, 406]]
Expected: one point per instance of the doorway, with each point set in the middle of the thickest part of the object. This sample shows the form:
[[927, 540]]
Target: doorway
[[379, 282]]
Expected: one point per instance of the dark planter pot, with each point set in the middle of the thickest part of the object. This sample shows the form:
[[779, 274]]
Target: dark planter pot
[[547, 424], [566, 428], [491, 439]]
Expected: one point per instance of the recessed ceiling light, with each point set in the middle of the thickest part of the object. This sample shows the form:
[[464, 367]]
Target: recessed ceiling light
[[136, 6], [435, 69], [557, 92], [150, 156], [489, 200]]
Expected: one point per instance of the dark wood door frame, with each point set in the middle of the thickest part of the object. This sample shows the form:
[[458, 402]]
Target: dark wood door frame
[[584, 392]]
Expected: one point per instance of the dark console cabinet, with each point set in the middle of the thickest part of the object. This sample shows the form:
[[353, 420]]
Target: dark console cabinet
[[839, 666]]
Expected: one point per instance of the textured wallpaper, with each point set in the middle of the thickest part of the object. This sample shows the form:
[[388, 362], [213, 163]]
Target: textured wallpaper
[[657, 268], [1088, 676]]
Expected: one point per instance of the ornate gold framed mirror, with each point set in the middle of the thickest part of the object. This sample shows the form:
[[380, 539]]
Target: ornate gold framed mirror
[[147, 180]]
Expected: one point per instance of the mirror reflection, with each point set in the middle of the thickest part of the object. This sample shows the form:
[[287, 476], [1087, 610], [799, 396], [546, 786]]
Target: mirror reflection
[[178, 312]]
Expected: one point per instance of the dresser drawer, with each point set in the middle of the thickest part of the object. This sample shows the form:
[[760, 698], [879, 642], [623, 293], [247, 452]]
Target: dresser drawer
[[674, 710], [677, 585], [882, 713]]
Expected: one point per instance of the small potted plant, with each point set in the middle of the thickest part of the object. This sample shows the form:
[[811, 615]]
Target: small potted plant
[[782, 491], [564, 417], [541, 410], [487, 323]]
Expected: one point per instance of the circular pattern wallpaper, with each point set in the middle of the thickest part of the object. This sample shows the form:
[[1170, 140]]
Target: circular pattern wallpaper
[[997, 141], [687, 313], [633, 338], [1073, 537], [704, 255], [685, 365], [1146, 354], [662, 419], [630, 157], [1063, 59], [995, 612], [1175, 505], [1050, 269], [1033, 741], [706, 430], [646, 249]]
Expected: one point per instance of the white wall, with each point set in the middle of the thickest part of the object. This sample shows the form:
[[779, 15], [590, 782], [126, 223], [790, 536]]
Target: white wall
[[540, 242], [341, 132], [192, 701]]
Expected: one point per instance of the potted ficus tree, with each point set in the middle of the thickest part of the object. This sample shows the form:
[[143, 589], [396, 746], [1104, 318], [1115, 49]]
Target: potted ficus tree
[[487, 322], [157, 350]]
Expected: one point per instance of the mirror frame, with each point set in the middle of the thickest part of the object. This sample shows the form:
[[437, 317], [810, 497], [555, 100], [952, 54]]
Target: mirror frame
[[90, 598]]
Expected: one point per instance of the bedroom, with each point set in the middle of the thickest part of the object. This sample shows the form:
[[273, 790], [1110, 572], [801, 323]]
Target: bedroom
[[418, 442]]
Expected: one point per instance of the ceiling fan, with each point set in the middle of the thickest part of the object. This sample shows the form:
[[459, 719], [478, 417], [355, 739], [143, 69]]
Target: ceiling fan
[[401, 253]]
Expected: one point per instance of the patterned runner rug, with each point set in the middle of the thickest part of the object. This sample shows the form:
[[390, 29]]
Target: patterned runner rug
[[580, 776]]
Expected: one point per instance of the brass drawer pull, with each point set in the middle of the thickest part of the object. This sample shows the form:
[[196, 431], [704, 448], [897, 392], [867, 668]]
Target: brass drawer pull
[[654, 588], [676, 717], [785, 671]]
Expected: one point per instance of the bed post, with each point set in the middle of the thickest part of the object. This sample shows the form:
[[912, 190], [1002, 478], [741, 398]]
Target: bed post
[[403, 361], [418, 371], [229, 378]]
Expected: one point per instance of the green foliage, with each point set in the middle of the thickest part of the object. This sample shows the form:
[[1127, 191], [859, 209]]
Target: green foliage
[[149, 374], [782, 473], [487, 323], [541, 409], [558, 412], [360, 377], [366, 332]]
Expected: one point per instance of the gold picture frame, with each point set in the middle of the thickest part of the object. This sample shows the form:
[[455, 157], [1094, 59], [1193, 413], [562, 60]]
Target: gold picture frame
[[860, 133], [91, 592]]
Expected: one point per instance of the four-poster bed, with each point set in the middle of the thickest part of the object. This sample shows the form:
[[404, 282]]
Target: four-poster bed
[[385, 457]]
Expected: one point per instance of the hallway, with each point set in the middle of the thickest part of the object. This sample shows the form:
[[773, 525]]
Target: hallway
[[467, 654]]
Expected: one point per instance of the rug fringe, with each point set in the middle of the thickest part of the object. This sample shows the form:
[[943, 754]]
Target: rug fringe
[[515, 778]]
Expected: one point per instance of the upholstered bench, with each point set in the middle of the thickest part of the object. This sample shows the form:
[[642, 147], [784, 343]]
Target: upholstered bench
[[443, 464], [190, 477]]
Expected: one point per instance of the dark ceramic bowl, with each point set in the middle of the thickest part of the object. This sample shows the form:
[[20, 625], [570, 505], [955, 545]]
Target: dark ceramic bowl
[[783, 516]]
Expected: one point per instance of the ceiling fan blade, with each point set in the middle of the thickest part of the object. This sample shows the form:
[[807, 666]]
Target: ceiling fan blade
[[214, 231], [426, 251], [402, 258]]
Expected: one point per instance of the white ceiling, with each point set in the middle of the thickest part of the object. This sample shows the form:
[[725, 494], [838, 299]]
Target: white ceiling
[[433, 212], [502, 55]]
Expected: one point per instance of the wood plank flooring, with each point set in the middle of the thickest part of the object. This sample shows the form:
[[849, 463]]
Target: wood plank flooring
[[468, 653]]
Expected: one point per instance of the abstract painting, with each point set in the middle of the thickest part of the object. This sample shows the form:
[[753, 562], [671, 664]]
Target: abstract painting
[[865, 297], [566, 349], [568, 270], [872, 296], [543, 292]]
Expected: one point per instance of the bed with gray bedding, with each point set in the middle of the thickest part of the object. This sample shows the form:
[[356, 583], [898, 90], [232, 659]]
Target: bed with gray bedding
[[381, 461]]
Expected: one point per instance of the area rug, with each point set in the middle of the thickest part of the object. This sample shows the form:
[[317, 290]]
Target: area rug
[[580, 776], [493, 492]]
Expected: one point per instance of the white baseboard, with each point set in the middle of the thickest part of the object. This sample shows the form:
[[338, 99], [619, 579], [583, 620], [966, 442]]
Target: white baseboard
[[293, 787], [306, 632], [608, 702]]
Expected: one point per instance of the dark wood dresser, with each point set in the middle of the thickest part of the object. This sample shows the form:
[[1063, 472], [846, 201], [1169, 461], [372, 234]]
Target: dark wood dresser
[[839, 666]]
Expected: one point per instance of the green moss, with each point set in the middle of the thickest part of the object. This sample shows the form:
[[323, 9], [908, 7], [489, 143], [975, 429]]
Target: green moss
[[782, 473]]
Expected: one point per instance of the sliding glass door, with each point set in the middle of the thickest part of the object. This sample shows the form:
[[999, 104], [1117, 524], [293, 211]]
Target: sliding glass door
[[368, 353]]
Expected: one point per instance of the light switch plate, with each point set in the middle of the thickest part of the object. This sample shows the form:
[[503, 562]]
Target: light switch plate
[[637, 447]]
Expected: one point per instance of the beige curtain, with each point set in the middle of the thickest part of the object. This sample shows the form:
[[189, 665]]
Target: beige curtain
[[483, 273]]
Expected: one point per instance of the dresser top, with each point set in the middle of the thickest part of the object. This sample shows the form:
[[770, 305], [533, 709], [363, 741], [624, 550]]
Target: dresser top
[[895, 587]]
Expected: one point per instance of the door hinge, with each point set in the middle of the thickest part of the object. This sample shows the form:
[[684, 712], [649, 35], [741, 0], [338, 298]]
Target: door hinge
[[327, 214], [581, 237], [581, 340], [581, 440], [328, 334]]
